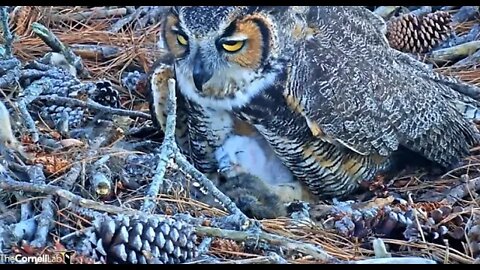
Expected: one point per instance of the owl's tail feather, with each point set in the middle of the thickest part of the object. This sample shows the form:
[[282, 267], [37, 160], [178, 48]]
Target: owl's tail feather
[[470, 112], [465, 96], [464, 88]]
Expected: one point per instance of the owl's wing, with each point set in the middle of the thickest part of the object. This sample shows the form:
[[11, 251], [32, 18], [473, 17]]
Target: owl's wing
[[358, 94]]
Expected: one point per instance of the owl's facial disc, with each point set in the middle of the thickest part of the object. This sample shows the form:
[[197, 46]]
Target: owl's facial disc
[[219, 48]]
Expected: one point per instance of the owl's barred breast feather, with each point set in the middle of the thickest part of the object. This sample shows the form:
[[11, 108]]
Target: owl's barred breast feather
[[199, 131]]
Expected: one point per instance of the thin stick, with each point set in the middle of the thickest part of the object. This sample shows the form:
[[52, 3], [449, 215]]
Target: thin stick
[[97, 13], [8, 184], [288, 244], [92, 105], [169, 148], [53, 42]]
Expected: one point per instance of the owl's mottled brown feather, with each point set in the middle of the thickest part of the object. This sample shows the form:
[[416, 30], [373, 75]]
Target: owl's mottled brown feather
[[334, 101], [362, 95], [361, 101]]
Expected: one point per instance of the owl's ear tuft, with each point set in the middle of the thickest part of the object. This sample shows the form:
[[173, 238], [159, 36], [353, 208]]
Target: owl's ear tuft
[[253, 9], [175, 10], [268, 9]]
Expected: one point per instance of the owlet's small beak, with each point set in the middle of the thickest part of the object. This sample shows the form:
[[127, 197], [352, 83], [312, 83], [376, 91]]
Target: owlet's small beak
[[201, 74]]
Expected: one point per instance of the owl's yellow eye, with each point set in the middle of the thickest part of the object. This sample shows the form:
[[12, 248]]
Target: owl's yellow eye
[[182, 40], [233, 46]]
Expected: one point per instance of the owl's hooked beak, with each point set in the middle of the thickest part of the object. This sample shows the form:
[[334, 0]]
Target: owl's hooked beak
[[201, 74]]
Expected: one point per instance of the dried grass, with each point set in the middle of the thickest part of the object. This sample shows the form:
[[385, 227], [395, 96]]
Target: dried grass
[[135, 48]]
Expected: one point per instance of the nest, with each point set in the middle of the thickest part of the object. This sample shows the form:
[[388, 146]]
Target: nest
[[118, 45]]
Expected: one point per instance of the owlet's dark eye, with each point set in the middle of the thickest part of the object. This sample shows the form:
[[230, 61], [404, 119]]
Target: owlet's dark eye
[[233, 45]]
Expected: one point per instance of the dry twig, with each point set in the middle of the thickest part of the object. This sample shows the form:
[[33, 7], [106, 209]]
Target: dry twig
[[277, 240], [456, 52], [97, 13], [93, 106], [457, 193], [53, 42], [9, 184]]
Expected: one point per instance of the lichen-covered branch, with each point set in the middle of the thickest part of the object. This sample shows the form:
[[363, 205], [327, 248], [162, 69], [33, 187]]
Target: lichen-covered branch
[[72, 176], [31, 93], [7, 34], [169, 148], [124, 21], [287, 244], [456, 52], [139, 18], [423, 10], [465, 13], [45, 222], [53, 42], [385, 11], [457, 193]]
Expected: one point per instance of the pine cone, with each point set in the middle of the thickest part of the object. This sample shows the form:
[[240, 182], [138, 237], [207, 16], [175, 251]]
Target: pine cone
[[106, 95], [140, 240], [74, 115], [418, 34], [364, 222], [433, 231]]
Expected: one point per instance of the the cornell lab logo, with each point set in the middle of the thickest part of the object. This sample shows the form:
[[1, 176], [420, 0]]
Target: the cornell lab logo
[[61, 257], [67, 256]]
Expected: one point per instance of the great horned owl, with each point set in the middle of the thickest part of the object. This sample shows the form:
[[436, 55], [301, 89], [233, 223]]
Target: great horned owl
[[320, 84]]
